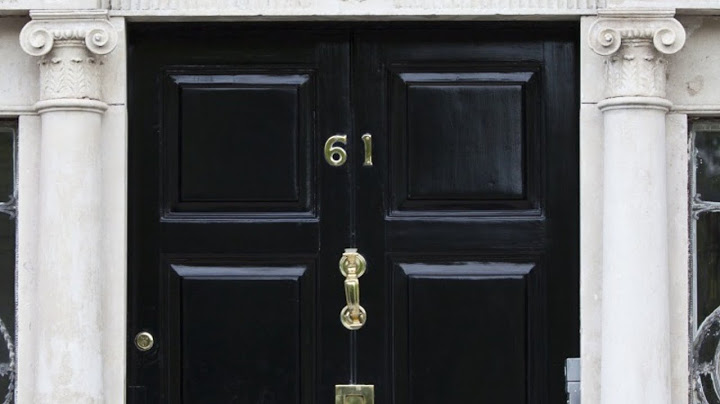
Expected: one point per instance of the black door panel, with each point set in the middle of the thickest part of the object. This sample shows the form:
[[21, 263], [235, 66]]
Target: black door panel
[[252, 316], [451, 321], [260, 122], [229, 205], [468, 217]]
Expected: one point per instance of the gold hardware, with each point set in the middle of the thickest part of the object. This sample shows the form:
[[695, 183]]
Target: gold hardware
[[352, 266], [335, 155], [354, 394], [352, 258], [144, 341], [367, 140]]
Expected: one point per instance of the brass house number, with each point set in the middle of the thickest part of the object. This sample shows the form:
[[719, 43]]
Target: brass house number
[[336, 155]]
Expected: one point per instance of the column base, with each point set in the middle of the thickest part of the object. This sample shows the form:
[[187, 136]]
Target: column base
[[71, 104], [635, 103]]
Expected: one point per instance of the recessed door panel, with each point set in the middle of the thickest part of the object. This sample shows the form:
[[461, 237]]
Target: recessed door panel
[[242, 329], [463, 139], [486, 164], [450, 320], [243, 140]]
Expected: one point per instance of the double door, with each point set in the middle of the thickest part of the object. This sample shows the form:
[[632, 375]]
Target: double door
[[445, 155]]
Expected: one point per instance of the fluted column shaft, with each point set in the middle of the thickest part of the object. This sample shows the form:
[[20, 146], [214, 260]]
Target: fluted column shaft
[[68, 320], [635, 298]]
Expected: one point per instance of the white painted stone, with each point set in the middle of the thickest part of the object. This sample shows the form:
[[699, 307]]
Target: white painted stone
[[114, 219], [220, 7], [692, 74], [113, 252], [74, 4], [12, 6], [18, 70], [698, 57], [694, 79], [635, 305], [190, 8], [26, 5], [592, 66], [114, 68], [706, 5], [69, 327], [28, 175], [591, 215], [636, 356], [678, 244], [591, 201]]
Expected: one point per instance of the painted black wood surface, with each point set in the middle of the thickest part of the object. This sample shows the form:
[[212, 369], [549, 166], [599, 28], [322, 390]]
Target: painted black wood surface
[[468, 218]]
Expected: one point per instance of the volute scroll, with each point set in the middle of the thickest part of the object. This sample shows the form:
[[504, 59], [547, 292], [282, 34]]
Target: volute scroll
[[610, 30], [93, 30]]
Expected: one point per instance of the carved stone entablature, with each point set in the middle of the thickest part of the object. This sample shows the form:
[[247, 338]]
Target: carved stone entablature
[[71, 46], [634, 43], [183, 8]]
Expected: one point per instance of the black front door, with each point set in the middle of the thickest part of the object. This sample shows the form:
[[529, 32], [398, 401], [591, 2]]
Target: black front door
[[451, 167]]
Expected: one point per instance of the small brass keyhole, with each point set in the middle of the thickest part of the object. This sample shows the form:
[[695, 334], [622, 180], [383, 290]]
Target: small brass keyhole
[[144, 341]]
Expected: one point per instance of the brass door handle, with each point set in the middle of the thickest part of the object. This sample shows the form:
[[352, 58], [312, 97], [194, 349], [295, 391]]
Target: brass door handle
[[352, 266]]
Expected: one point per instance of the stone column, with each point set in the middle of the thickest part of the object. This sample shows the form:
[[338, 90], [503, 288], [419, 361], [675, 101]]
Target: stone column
[[67, 323], [635, 298]]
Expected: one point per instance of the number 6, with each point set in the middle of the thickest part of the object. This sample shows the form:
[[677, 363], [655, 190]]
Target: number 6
[[335, 155]]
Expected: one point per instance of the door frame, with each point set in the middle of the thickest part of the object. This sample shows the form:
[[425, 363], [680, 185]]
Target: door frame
[[112, 248]]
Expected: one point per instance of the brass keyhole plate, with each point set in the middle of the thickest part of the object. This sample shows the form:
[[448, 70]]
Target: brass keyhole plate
[[354, 394]]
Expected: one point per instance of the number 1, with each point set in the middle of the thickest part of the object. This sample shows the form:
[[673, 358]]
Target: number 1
[[367, 140]]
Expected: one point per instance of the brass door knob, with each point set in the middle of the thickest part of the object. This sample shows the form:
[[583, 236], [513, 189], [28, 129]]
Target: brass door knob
[[144, 341]]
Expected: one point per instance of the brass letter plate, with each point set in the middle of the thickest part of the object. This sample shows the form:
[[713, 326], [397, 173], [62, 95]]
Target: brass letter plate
[[354, 394]]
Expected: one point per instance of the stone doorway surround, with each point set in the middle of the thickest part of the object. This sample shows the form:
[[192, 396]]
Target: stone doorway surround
[[643, 73]]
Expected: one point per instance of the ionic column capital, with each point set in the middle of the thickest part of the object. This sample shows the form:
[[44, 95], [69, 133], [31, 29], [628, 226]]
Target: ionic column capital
[[71, 45], [615, 27], [634, 43]]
